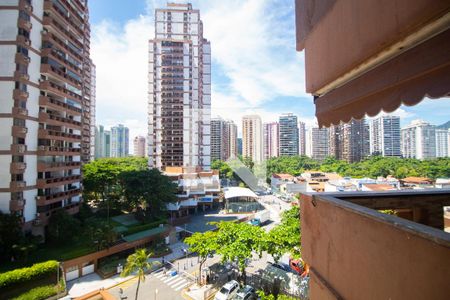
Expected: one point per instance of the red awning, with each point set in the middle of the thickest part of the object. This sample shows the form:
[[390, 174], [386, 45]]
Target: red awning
[[423, 71], [362, 57]]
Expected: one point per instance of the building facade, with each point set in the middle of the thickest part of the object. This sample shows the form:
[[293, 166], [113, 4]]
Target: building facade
[[385, 136], [301, 138], [102, 142], [319, 143], [252, 138], [223, 139], [442, 142], [418, 140], [45, 111], [92, 107], [349, 141], [271, 139], [289, 136], [139, 146], [119, 141], [355, 140], [179, 104]]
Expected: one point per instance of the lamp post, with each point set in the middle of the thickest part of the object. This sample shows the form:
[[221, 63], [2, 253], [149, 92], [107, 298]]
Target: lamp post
[[156, 293], [57, 281]]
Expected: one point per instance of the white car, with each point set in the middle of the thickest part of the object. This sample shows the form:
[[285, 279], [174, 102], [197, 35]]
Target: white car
[[228, 291]]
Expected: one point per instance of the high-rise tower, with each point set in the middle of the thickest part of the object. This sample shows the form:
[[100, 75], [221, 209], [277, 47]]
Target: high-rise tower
[[252, 138], [179, 105], [385, 136], [288, 136], [45, 112]]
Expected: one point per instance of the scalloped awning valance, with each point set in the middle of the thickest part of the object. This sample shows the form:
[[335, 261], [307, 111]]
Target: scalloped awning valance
[[362, 57]]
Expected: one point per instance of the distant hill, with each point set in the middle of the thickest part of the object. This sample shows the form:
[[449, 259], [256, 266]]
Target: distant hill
[[444, 126]]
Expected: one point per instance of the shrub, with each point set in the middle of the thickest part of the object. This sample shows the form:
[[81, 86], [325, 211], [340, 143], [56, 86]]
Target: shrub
[[143, 227], [39, 293], [34, 272]]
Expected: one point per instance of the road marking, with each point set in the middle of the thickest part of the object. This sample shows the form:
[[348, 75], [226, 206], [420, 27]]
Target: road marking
[[176, 282], [171, 278], [182, 286], [159, 275]]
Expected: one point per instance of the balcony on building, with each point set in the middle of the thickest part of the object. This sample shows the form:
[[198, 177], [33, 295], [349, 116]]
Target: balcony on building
[[54, 103], [57, 181], [18, 167], [361, 58]]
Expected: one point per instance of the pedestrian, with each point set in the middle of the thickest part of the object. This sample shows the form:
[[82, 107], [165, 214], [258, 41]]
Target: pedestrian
[[207, 279], [229, 275]]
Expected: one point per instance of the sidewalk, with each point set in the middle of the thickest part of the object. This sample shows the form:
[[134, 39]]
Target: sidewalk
[[92, 282]]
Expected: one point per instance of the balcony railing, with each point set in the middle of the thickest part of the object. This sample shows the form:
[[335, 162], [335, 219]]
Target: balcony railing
[[59, 90], [20, 95], [18, 148], [19, 131], [45, 117], [51, 150], [17, 167], [354, 251], [19, 184], [55, 197], [57, 181], [58, 135], [16, 205], [57, 166], [22, 59], [19, 111], [47, 101]]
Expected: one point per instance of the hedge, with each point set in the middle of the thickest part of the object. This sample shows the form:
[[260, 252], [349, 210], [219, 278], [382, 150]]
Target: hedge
[[39, 293], [143, 227], [36, 271]]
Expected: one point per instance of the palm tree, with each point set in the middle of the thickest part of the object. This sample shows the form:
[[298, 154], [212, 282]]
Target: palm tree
[[138, 262]]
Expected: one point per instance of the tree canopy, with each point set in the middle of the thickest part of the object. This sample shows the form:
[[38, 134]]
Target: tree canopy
[[374, 166], [127, 184]]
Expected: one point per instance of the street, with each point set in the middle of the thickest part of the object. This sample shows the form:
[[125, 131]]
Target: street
[[183, 271]]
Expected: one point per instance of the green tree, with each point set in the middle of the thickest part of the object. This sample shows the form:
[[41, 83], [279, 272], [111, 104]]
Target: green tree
[[10, 234], [148, 191], [138, 262], [224, 169], [204, 244], [237, 241], [62, 227], [285, 237], [101, 179]]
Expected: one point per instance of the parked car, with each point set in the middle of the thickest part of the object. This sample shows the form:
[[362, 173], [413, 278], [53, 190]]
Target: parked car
[[228, 291], [297, 265], [246, 293], [281, 266]]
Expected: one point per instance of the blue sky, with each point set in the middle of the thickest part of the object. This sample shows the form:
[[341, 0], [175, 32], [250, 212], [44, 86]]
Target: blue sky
[[255, 68]]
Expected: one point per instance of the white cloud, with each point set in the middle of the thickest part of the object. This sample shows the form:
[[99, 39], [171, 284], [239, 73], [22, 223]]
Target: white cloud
[[253, 46]]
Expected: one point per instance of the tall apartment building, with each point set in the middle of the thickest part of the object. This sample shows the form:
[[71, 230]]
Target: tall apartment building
[[139, 146], [442, 143], [319, 143], [350, 141], [301, 138], [288, 137], [223, 139], [92, 107], [385, 136], [418, 140], [102, 142], [217, 129], [252, 138], [179, 109], [239, 146], [45, 111], [271, 139], [119, 141]]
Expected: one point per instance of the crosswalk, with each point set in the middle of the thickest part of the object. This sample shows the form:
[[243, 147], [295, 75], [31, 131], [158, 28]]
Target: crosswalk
[[176, 282]]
